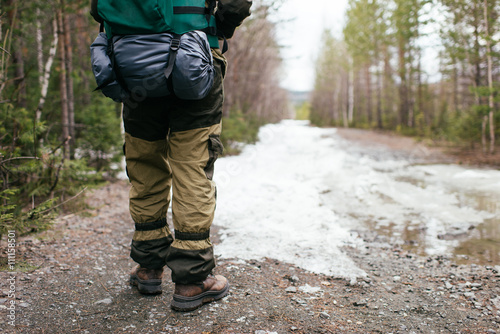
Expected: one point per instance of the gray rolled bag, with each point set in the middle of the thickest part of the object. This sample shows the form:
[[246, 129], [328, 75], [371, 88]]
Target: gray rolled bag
[[103, 70], [141, 65]]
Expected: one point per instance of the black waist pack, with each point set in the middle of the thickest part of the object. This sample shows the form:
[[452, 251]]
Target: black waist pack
[[230, 15], [153, 65]]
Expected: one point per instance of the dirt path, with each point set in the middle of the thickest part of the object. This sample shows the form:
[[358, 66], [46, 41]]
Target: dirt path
[[432, 153], [77, 282]]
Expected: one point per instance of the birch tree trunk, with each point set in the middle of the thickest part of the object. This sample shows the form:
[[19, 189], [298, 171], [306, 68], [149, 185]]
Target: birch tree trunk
[[379, 101], [379, 84], [403, 88], [342, 96], [350, 99], [368, 92], [491, 101], [39, 46], [45, 78]]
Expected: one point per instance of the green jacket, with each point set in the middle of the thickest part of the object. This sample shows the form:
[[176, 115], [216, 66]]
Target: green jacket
[[152, 16]]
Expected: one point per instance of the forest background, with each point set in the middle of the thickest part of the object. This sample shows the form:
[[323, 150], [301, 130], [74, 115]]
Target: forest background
[[58, 136]]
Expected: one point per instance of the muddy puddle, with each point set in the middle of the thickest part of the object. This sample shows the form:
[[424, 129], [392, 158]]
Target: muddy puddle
[[478, 243]]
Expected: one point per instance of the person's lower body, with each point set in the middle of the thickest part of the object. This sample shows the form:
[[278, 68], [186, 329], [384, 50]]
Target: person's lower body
[[170, 147]]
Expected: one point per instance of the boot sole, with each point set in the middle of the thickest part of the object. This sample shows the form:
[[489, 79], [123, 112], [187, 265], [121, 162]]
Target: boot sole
[[185, 304], [146, 287]]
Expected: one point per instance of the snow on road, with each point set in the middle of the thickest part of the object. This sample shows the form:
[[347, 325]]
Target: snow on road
[[299, 193]]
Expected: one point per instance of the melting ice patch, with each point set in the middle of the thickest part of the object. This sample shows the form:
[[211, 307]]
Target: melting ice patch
[[269, 201], [295, 195]]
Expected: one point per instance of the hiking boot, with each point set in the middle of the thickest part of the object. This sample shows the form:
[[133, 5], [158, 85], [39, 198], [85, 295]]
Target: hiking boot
[[188, 297], [147, 281]]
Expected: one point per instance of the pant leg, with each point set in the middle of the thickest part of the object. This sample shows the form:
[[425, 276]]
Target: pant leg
[[194, 145], [150, 175]]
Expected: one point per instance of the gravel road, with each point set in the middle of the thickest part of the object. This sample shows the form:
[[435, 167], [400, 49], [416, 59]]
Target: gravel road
[[75, 280]]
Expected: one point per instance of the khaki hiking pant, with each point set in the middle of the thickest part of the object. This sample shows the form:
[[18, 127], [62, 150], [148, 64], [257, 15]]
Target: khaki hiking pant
[[172, 144]]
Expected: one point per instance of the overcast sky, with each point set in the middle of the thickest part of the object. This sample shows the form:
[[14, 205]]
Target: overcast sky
[[301, 36]]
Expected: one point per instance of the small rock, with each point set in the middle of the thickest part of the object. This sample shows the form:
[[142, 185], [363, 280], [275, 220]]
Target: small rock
[[105, 301], [496, 302], [309, 289], [293, 328], [324, 315], [24, 304], [294, 279], [470, 295], [360, 303], [291, 289], [299, 301], [396, 278], [448, 285]]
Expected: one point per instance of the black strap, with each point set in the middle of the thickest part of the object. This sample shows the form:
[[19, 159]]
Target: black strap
[[211, 11], [225, 46], [208, 12], [192, 236], [151, 226], [174, 47], [95, 12], [190, 10]]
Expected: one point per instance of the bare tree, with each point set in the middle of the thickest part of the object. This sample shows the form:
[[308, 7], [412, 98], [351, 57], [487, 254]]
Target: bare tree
[[252, 80], [68, 45], [491, 97], [63, 82]]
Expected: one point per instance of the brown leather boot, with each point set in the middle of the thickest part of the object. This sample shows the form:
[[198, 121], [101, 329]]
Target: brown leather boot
[[148, 281], [188, 297]]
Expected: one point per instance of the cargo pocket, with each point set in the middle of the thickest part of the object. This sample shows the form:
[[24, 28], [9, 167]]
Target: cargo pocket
[[215, 149]]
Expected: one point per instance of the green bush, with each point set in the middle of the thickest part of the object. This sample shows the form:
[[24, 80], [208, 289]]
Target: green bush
[[99, 139], [239, 128], [35, 178], [14, 217]]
